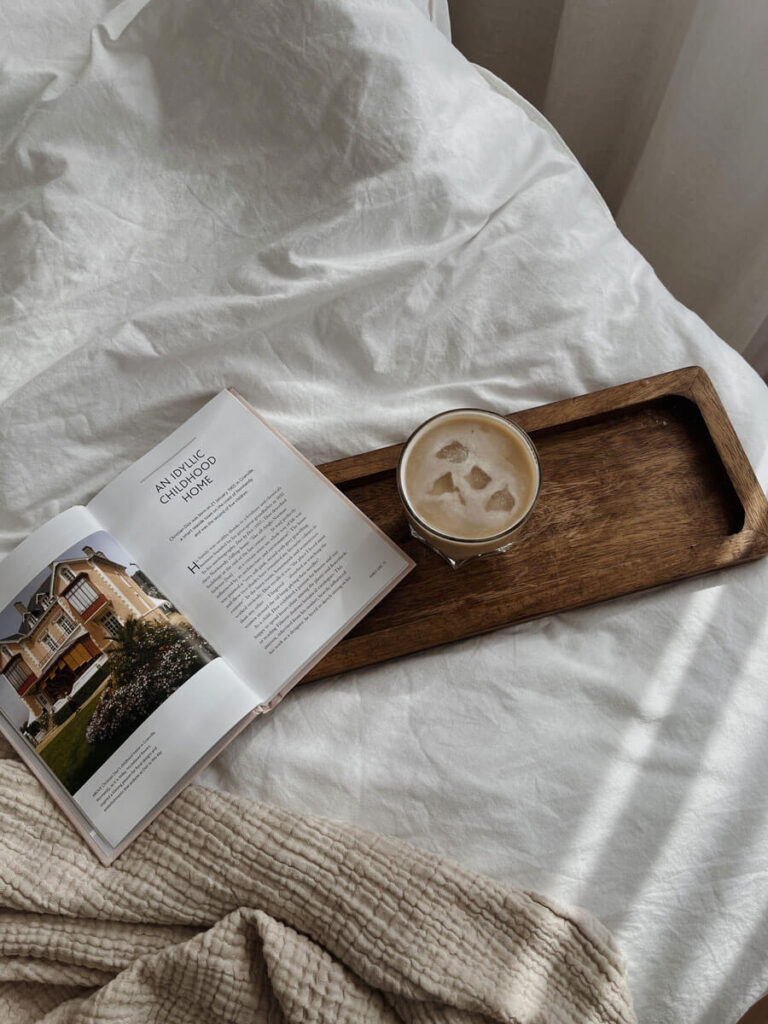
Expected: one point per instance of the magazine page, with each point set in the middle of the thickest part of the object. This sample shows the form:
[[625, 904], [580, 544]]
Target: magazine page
[[271, 560], [110, 693]]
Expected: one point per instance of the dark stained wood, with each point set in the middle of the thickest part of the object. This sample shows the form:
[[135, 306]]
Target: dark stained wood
[[757, 1013], [642, 484]]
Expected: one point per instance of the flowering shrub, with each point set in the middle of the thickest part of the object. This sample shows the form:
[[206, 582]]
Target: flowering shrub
[[137, 645], [123, 708]]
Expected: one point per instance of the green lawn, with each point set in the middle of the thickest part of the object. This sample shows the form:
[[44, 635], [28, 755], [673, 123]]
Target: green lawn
[[69, 755]]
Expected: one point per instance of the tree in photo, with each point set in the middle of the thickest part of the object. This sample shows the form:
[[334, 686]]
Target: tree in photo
[[148, 662]]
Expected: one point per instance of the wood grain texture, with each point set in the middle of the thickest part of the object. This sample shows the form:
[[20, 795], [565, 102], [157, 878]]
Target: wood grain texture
[[642, 484]]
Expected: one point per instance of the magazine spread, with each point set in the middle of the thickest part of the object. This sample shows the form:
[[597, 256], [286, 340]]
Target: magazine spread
[[139, 634]]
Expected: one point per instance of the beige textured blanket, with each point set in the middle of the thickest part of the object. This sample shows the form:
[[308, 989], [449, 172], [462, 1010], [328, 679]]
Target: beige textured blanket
[[227, 910]]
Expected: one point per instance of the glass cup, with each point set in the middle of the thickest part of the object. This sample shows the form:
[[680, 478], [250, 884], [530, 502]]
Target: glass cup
[[448, 476]]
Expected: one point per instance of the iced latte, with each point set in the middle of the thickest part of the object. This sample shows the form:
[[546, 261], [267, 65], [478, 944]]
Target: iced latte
[[468, 479]]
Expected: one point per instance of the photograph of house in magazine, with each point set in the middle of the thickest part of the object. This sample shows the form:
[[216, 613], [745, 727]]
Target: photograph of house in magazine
[[88, 650], [140, 633]]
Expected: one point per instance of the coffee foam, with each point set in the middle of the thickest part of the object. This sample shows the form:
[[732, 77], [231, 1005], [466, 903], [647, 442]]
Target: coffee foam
[[469, 475]]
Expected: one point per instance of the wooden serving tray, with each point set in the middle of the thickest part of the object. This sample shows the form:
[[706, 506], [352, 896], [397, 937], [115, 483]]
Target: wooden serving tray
[[642, 484]]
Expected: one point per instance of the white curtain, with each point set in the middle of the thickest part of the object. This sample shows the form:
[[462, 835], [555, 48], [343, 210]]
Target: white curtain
[[665, 103]]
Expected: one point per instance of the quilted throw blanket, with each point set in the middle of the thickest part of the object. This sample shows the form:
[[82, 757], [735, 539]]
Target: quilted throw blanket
[[227, 910]]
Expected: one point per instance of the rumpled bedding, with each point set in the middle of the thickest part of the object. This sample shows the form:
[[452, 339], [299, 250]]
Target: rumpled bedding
[[325, 206], [229, 910]]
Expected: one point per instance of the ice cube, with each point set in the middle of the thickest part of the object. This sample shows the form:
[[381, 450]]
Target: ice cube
[[477, 478], [500, 501], [454, 451], [443, 485]]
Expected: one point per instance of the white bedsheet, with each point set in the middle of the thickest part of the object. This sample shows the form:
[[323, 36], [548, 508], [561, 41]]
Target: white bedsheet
[[325, 206]]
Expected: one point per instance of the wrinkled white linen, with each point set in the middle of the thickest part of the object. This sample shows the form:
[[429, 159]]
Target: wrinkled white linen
[[326, 207]]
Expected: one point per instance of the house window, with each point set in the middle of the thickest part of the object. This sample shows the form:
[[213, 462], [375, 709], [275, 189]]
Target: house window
[[43, 600], [81, 595], [66, 625], [49, 642], [67, 574], [111, 624], [17, 674]]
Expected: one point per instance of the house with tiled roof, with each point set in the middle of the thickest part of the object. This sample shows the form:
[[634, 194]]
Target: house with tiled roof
[[66, 628]]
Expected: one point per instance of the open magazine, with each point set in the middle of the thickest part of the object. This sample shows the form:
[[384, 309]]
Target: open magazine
[[140, 633]]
